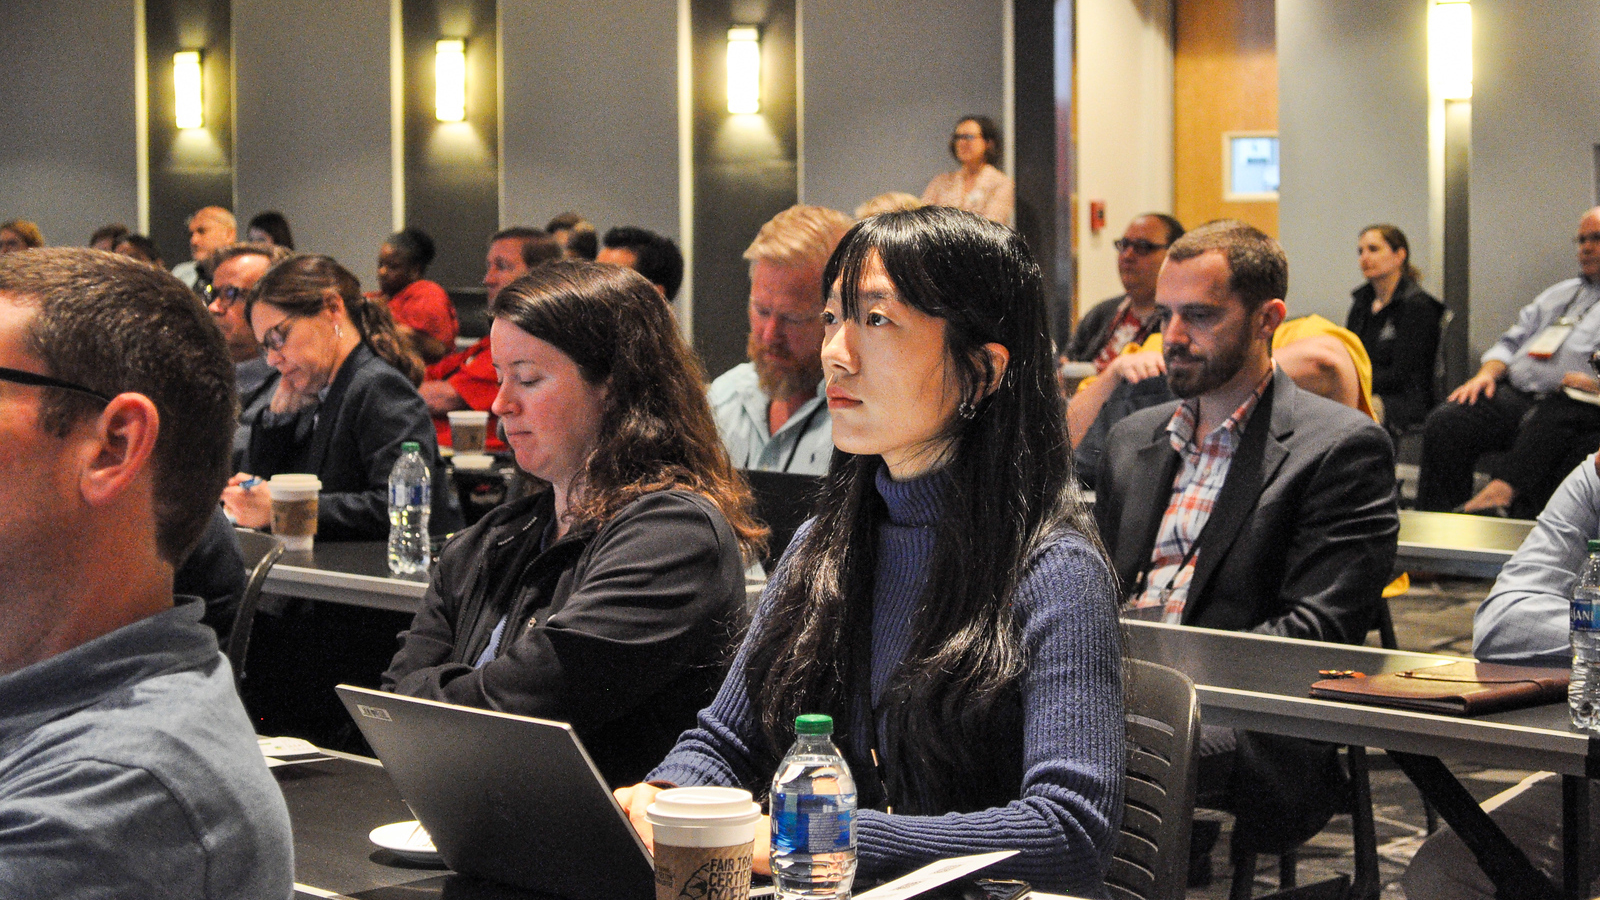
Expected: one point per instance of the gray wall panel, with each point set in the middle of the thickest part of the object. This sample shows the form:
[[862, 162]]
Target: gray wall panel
[[1535, 124], [67, 148], [884, 84], [1353, 130], [312, 136], [590, 117]]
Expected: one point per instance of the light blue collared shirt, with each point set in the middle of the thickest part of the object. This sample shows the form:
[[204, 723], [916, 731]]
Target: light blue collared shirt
[[1576, 298], [803, 446]]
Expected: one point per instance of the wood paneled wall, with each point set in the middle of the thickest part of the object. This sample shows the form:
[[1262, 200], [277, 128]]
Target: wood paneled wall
[[1225, 78]]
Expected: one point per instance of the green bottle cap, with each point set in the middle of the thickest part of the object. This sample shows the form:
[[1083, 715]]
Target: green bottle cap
[[410, 447], [813, 723]]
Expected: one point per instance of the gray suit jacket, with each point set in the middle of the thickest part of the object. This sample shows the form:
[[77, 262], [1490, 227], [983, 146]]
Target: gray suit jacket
[[1302, 538], [1300, 544]]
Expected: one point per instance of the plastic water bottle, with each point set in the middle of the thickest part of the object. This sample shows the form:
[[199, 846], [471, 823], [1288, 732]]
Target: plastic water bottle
[[1583, 693], [813, 817], [410, 500]]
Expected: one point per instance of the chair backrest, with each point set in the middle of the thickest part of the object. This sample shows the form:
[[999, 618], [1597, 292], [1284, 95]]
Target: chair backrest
[[260, 551], [1151, 860]]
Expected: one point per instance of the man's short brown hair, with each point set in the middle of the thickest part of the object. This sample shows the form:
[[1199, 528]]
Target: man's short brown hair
[[1258, 270], [799, 236], [116, 325]]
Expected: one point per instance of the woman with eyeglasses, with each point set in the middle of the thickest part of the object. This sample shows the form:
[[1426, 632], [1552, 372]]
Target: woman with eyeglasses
[[949, 604], [977, 186], [343, 400], [1398, 323]]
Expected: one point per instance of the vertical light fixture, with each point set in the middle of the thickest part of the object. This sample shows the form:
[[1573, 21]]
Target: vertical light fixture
[[450, 80], [744, 69], [1450, 49], [186, 94]]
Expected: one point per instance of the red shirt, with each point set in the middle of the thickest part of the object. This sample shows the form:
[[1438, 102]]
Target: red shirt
[[471, 373], [425, 306]]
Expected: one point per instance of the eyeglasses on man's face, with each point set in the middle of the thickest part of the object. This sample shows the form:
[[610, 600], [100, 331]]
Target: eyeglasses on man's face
[[1590, 237], [224, 297], [1139, 246], [34, 379]]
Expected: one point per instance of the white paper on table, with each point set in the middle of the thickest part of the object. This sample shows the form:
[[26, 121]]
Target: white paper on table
[[934, 874], [283, 751]]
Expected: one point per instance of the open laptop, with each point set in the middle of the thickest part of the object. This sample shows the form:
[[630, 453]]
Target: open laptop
[[506, 798]]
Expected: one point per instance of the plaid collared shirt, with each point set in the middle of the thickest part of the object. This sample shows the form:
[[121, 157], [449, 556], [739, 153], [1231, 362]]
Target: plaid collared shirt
[[1204, 469]]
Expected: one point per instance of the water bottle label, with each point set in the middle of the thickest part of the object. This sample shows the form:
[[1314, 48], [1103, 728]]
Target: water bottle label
[[402, 495], [813, 824], [1583, 614]]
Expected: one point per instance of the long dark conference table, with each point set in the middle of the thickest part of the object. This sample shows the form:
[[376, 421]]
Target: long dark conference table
[[357, 573], [334, 804], [1262, 683]]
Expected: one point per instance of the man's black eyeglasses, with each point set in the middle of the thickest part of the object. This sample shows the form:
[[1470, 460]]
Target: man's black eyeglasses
[[18, 376], [1139, 246], [223, 297]]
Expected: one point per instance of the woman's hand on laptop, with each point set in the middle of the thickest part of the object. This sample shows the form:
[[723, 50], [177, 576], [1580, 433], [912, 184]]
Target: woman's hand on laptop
[[634, 800]]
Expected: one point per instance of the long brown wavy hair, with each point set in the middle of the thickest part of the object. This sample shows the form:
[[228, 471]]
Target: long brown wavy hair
[[299, 286], [656, 432]]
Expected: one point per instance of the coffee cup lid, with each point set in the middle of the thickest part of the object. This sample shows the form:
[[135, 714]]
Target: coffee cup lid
[[295, 482], [472, 461], [468, 415], [692, 806]]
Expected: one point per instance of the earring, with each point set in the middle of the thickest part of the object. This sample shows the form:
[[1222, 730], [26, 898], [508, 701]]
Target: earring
[[967, 410], [338, 332]]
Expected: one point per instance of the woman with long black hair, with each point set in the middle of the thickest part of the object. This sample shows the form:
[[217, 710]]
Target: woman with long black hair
[[949, 605]]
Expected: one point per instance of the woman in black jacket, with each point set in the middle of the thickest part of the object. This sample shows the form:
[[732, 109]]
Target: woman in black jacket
[[344, 399], [611, 598], [1398, 323]]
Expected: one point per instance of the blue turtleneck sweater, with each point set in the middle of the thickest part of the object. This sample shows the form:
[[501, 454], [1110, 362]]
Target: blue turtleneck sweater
[[1065, 818]]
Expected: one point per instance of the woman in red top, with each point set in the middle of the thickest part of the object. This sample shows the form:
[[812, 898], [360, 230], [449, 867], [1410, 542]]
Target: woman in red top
[[420, 307]]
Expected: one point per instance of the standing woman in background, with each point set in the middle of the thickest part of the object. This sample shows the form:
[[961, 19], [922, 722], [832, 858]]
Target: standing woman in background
[[1398, 323], [977, 186], [949, 604], [345, 400]]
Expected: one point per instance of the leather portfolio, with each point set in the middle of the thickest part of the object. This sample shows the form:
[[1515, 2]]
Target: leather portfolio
[[1465, 688]]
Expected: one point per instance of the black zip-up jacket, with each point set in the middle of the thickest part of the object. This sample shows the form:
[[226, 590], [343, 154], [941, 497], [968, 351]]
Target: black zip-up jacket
[[624, 631]]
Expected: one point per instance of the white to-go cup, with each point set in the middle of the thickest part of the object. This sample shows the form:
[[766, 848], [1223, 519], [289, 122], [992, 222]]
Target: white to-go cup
[[294, 509], [704, 838], [469, 429]]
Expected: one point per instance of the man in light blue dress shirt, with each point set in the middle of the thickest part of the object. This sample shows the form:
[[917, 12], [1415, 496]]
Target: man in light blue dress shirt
[[770, 410], [1518, 402]]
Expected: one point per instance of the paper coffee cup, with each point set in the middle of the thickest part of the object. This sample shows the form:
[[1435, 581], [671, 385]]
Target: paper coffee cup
[[468, 430], [703, 842], [294, 509]]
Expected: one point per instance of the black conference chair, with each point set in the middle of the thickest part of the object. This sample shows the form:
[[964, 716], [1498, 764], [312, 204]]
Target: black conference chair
[[260, 552], [1151, 859]]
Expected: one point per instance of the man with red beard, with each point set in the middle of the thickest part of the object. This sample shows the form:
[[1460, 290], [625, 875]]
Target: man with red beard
[[770, 410]]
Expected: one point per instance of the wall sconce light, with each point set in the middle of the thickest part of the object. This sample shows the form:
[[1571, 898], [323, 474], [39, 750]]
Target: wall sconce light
[[186, 94], [450, 80], [744, 69], [1450, 49]]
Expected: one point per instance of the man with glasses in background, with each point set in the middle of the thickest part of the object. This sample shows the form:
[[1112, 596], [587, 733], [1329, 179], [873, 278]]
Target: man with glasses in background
[[238, 268], [1113, 324], [1535, 397], [770, 410]]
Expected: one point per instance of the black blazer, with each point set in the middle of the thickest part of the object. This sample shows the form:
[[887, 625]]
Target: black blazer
[[1303, 536], [1300, 544], [350, 441]]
